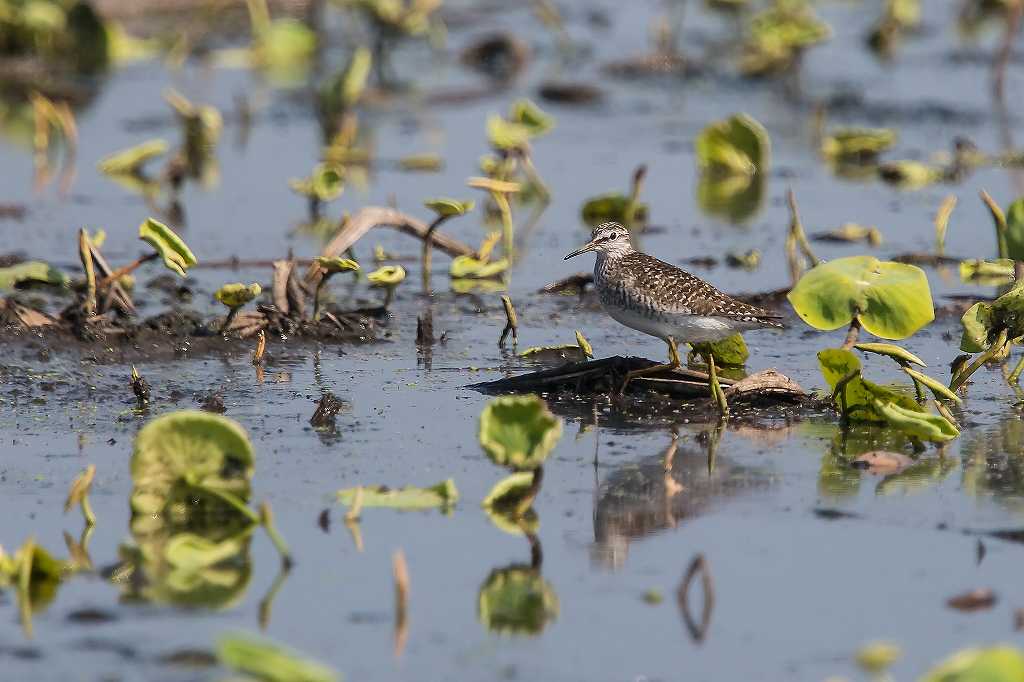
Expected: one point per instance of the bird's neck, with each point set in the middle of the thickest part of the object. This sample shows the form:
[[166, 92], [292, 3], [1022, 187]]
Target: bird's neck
[[609, 259]]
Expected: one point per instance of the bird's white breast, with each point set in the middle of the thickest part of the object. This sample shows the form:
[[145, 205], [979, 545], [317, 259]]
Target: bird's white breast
[[682, 328]]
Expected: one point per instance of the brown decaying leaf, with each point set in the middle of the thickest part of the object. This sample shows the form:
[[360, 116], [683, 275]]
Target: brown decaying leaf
[[882, 462], [974, 600]]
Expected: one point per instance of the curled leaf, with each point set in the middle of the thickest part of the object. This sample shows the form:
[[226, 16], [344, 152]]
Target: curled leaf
[[443, 206], [892, 350], [176, 255], [518, 431], [130, 161], [236, 295], [387, 276], [442, 495], [336, 264]]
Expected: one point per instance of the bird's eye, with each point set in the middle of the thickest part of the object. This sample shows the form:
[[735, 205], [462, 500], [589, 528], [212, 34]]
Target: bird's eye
[[613, 235]]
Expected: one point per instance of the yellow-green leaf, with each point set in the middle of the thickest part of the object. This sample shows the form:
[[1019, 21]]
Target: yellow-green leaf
[[176, 255], [237, 294]]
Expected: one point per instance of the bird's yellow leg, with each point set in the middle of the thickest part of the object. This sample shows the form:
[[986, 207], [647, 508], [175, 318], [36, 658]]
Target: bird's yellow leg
[[673, 363], [717, 394]]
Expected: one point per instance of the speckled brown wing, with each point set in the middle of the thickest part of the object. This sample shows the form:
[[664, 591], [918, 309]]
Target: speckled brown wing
[[674, 290]]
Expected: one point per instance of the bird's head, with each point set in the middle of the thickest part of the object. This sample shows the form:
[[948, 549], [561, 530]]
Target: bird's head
[[611, 239]]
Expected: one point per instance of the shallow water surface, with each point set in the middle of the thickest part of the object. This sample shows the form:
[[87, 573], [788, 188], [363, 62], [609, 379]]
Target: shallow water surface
[[809, 558]]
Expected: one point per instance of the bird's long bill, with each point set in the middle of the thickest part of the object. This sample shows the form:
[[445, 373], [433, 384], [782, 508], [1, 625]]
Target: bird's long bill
[[589, 246]]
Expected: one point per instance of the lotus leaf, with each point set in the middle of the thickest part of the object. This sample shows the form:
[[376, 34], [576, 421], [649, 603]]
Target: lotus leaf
[[733, 197], [891, 300], [506, 135], [977, 328], [985, 271], [923, 425], [730, 352], [613, 207], [175, 253], [387, 276], [131, 160], [443, 495], [1002, 663], [336, 264], [937, 387], [518, 431], [445, 207], [983, 322], [900, 355], [189, 450], [471, 267], [527, 114], [265, 660], [190, 552], [909, 174], [236, 295], [31, 271], [857, 143], [859, 394], [509, 492], [517, 601], [736, 145]]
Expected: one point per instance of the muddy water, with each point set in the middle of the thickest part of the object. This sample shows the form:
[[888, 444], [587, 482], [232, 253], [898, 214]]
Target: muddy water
[[809, 559]]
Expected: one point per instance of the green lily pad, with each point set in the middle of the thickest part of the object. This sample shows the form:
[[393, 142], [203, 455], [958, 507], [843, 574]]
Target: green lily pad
[[191, 552], [443, 495], [737, 145], [336, 264], [860, 144], [33, 271], [613, 207], [527, 114], [237, 294], [986, 272], [518, 431], [729, 352], [176, 255], [187, 451], [516, 601], [939, 389], [860, 394], [506, 135], [923, 425], [509, 504], [1001, 663], [909, 174], [443, 206], [130, 161], [891, 300], [472, 267], [387, 276], [977, 325], [877, 657], [270, 662], [891, 350]]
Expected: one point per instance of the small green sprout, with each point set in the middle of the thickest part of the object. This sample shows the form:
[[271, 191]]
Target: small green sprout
[[330, 267], [234, 296], [387, 278], [444, 208], [324, 184]]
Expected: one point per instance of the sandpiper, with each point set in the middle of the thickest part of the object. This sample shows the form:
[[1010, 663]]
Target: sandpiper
[[659, 299]]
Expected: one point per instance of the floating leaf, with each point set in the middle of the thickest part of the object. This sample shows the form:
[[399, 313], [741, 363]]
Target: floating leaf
[[190, 552], [527, 114], [877, 657], [891, 300], [777, 35], [336, 264], [505, 135], [995, 664], [188, 451], [861, 144], [33, 271], [471, 267], [131, 160], [729, 352], [175, 253], [899, 354], [518, 431], [509, 504], [986, 272], [859, 394], [613, 207], [270, 662], [736, 145], [516, 601], [923, 425], [909, 174], [852, 232], [977, 325], [937, 387], [387, 276], [236, 295], [443, 206], [442, 495]]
